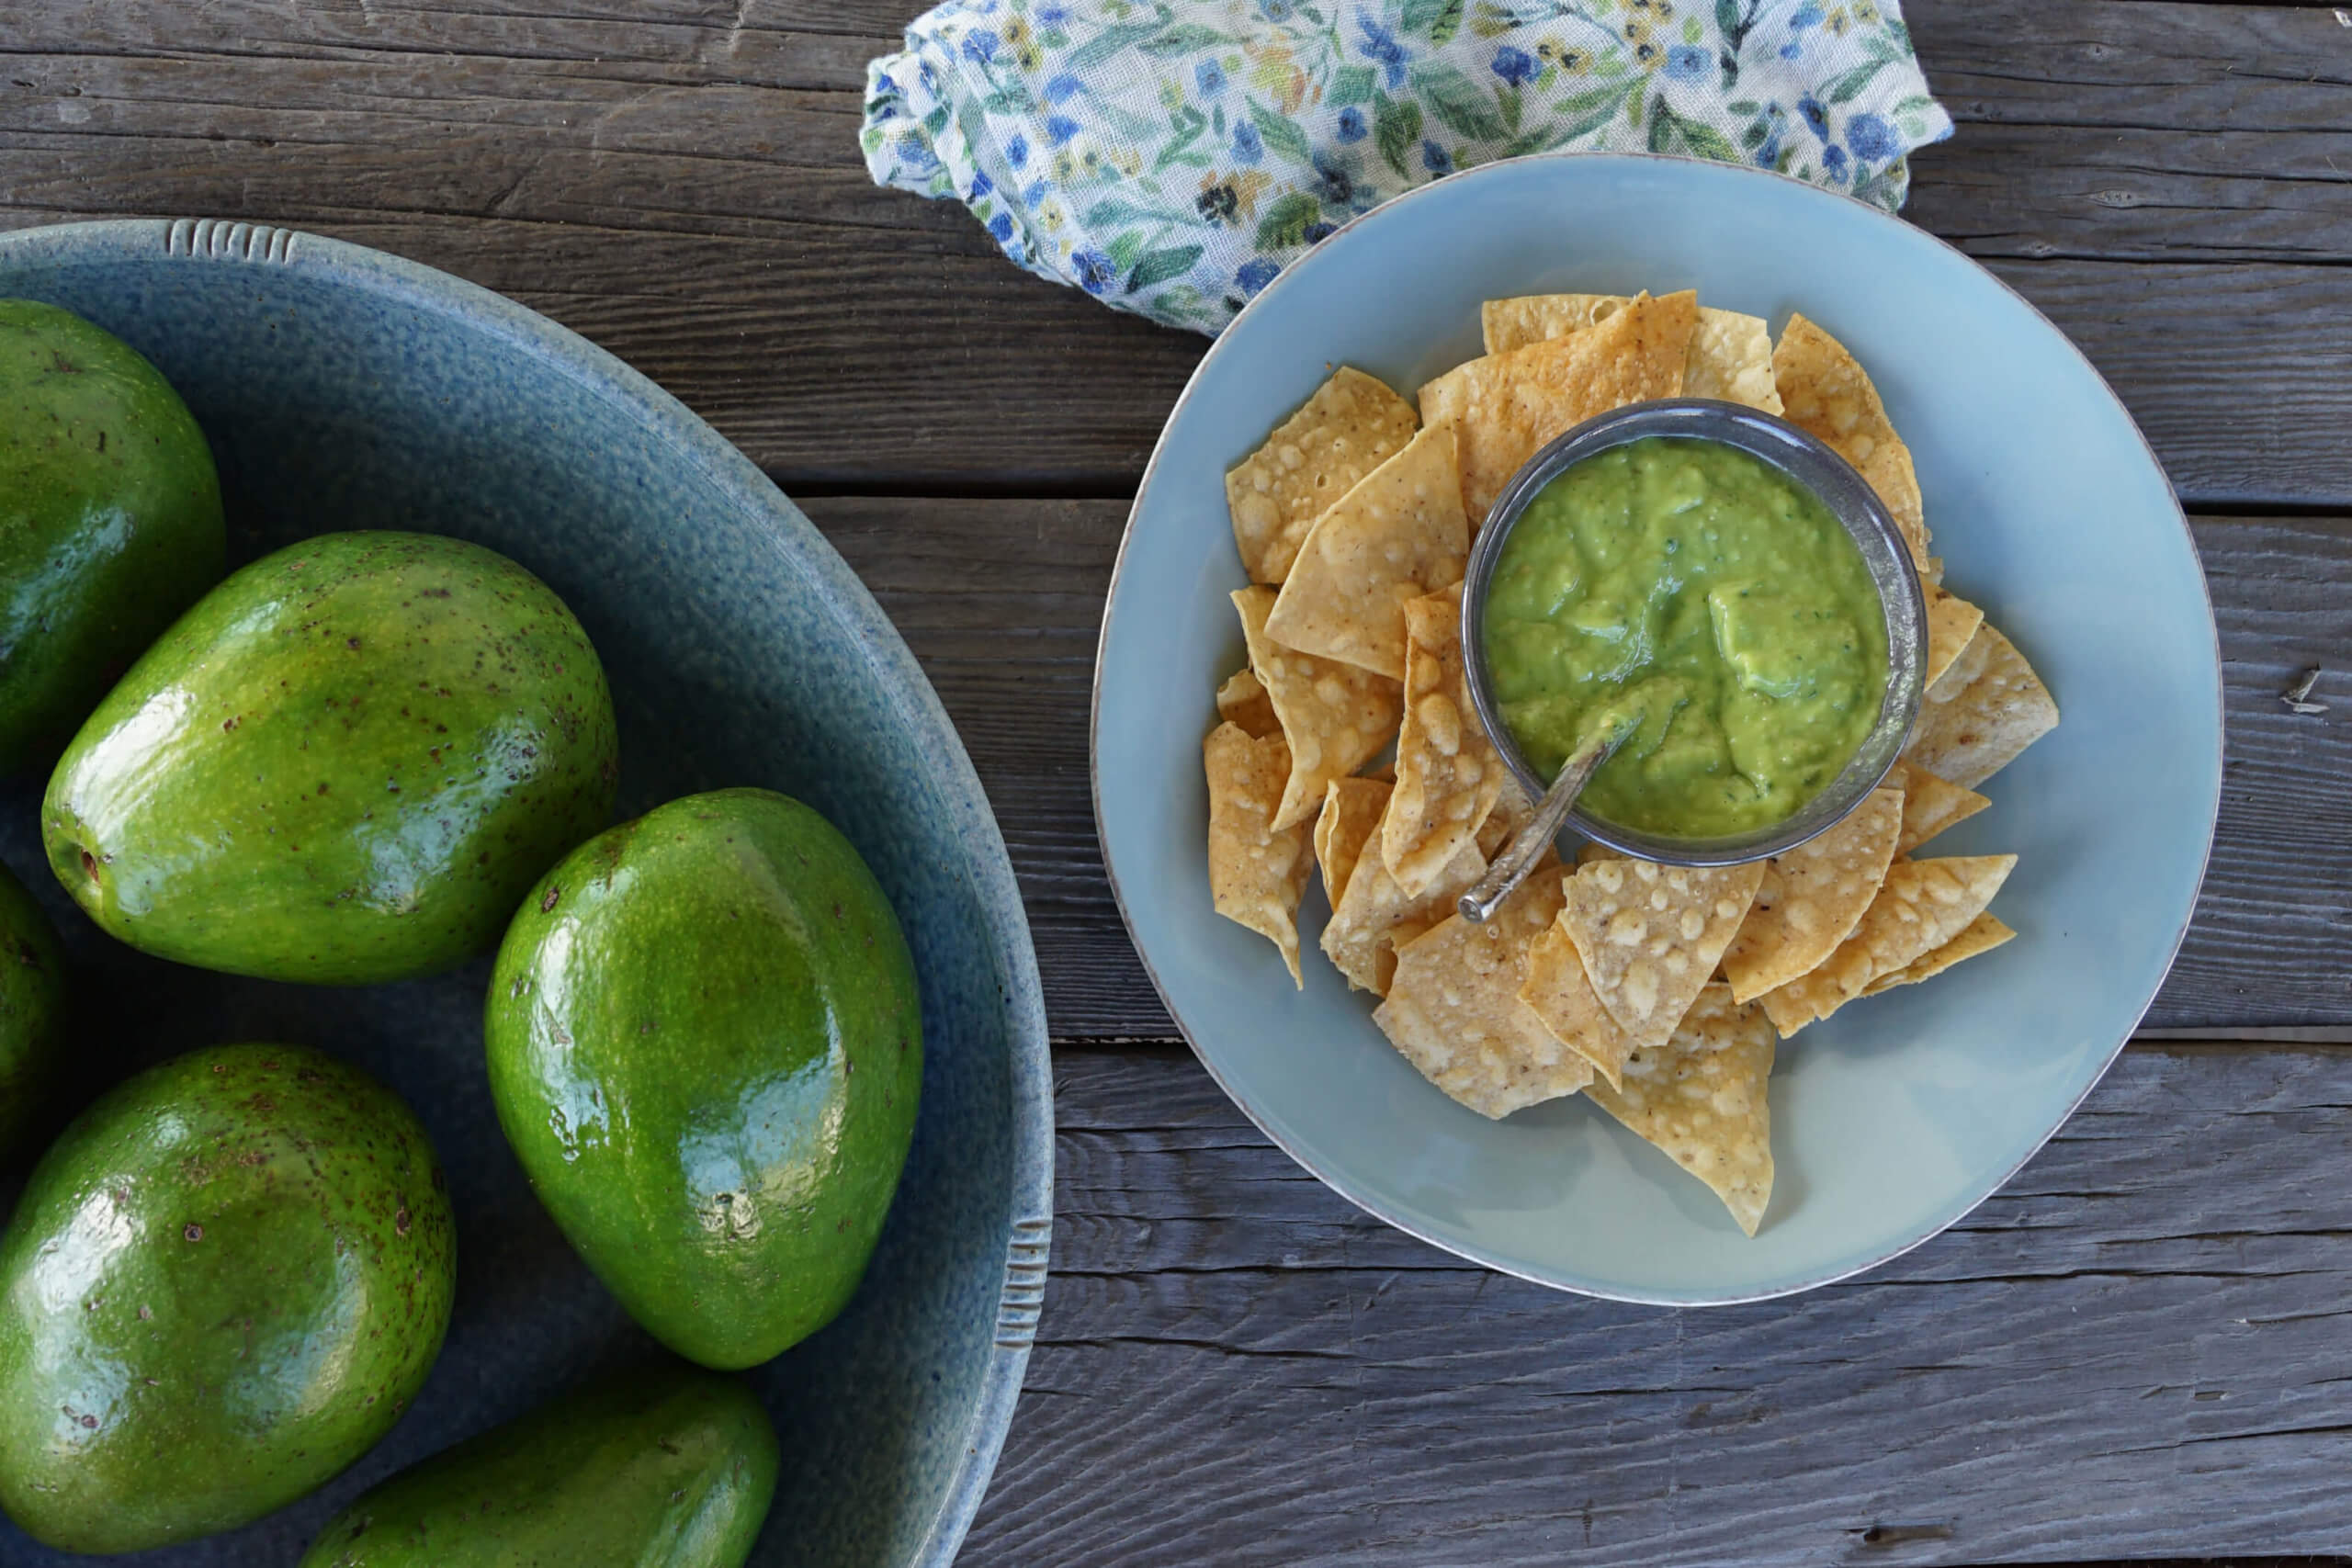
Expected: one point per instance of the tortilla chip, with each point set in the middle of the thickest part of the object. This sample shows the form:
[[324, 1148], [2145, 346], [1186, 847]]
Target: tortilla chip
[[1505, 406], [1593, 850], [1812, 898], [1511, 812], [1352, 426], [1826, 394], [1256, 871], [1397, 535], [1455, 1010], [1730, 358], [1963, 669], [1375, 917], [1731, 361], [1985, 934], [1929, 805], [1448, 774], [1651, 935], [1704, 1100], [1350, 814], [1952, 622], [1561, 995], [1334, 716], [1506, 324], [1923, 905], [1989, 706], [1244, 702]]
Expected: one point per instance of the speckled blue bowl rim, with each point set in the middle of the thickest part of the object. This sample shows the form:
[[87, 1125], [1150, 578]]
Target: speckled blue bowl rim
[[955, 787], [1290, 277]]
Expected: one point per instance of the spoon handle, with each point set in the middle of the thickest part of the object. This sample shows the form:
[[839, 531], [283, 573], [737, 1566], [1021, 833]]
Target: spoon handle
[[1519, 856]]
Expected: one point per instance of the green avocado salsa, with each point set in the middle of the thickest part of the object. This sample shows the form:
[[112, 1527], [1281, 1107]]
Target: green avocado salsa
[[1704, 596]]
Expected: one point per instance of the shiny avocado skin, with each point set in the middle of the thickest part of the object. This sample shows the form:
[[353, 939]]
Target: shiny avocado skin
[[705, 1047], [668, 1467], [32, 1011], [222, 1284], [366, 746], [111, 520]]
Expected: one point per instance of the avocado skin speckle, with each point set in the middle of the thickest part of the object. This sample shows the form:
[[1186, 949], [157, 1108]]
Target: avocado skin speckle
[[111, 520], [343, 766], [223, 1283], [666, 1464]]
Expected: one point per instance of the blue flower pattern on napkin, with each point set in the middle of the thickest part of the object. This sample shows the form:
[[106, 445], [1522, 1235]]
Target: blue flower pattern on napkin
[[1172, 156]]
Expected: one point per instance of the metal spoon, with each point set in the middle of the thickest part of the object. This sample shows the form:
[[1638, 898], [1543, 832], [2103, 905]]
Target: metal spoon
[[1519, 856]]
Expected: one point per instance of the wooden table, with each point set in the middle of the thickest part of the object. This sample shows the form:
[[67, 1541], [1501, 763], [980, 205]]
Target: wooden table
[[2142, 1347]]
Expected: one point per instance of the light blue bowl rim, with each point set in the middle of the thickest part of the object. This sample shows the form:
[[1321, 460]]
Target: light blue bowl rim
[[1801, 191], [956, 787]]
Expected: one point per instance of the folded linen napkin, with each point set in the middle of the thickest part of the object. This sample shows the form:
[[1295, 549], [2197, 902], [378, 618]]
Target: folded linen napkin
[[1171, 157]]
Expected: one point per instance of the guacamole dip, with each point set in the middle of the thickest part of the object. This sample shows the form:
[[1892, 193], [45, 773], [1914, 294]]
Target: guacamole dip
[[1702, 596]]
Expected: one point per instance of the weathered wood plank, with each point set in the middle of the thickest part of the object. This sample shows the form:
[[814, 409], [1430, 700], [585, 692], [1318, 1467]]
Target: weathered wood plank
[[682, 184], [2150, 195], [668, 149], [2268, 947], [2136, 64], [1003, 599], [2246, 435], [736, 40], [2136, 1348], [2094, 64], [2071, 139], [1923, 16]]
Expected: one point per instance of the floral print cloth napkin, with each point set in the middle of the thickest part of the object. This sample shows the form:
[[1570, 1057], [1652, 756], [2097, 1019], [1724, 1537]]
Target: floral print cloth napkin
[[1169, 158]]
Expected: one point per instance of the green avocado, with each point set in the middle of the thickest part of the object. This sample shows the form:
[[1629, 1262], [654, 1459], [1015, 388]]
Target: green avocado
[[109, 520], [32, 1010], [364, 748], [223, 1283], [663, 1467], [705, 1047]]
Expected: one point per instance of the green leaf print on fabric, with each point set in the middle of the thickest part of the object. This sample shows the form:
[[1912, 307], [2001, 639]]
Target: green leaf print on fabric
[[1171, 157]]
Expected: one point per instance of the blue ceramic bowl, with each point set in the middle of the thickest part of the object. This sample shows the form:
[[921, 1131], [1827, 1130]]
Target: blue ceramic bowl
[[345, 388], [1900, 1114]]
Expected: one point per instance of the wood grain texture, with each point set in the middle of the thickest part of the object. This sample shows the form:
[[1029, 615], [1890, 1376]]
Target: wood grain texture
[[681, 181], [1001, 601], [2137, 1348], [2138, 132]]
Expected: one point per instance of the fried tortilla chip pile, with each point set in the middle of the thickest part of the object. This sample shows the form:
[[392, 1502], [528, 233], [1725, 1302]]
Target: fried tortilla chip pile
[[1659, 991]]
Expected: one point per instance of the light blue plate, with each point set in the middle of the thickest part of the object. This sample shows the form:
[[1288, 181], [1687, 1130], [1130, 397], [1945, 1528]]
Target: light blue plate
[[342, 388], [1900, 1114]]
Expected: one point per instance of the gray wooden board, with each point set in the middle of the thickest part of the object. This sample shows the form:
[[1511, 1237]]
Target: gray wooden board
[[681, 181], [2138, 1347], [1001, 601]]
